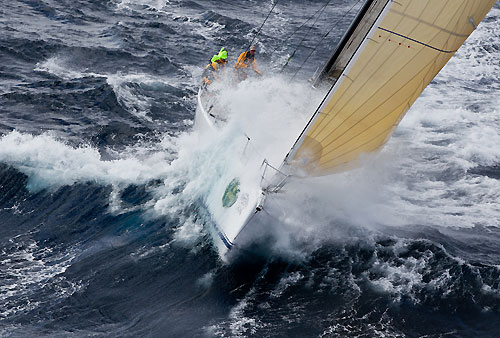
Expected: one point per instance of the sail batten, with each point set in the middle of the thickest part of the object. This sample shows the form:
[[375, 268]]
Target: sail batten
[[407, 46]]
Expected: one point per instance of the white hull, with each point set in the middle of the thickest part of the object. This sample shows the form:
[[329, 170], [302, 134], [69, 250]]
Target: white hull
[[228, 222], [202, 120]]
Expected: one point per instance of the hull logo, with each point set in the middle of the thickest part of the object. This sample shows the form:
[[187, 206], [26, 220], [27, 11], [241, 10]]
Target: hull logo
[[231, 193]]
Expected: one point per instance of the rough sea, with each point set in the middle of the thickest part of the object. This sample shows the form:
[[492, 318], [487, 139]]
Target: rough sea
[[102, 233]]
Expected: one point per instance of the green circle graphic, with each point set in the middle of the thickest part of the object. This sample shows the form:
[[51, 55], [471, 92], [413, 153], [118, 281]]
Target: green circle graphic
[[231, 193]]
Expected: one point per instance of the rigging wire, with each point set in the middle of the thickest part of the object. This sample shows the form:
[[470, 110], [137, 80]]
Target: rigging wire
[[251, 43], [295, 31], [321, 10], [267, 17], [321, 40], [318, 14]]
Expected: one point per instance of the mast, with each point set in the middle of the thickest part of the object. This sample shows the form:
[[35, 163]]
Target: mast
[[350, 41]]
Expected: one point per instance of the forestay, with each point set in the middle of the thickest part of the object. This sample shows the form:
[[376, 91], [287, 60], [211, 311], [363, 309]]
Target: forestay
[[406, 46]]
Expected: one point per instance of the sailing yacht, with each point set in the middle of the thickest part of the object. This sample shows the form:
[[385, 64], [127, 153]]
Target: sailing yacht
[[388, 55]]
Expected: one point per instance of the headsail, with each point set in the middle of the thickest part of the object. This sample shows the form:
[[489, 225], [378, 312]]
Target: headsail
[[406, 46]]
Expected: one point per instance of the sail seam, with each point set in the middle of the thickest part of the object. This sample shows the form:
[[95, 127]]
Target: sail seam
[[396, 74], [332, 89], [429, 65], [403, 14], [368, 114], [334, 115], [319, 128], [419, 42]]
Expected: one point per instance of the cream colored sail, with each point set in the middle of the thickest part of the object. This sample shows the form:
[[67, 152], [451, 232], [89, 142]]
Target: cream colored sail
[[407, 46]]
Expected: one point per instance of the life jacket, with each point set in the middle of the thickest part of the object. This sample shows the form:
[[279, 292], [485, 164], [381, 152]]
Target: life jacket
[[210, 72], [244, 60], [212, 66]]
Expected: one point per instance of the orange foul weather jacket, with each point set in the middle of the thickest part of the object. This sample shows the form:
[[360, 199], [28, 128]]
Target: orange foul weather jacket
[[246, 60]]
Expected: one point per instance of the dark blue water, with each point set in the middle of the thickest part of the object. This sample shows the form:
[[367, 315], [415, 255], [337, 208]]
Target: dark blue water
[[100, 235]]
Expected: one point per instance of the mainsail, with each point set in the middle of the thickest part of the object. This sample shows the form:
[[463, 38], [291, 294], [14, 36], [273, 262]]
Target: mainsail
[[380, 68]]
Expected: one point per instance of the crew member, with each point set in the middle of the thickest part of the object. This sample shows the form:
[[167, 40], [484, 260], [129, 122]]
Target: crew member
[[217, 63], [246, 60]]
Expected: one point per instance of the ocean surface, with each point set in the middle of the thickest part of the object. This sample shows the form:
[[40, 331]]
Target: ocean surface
[[102, 233]]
